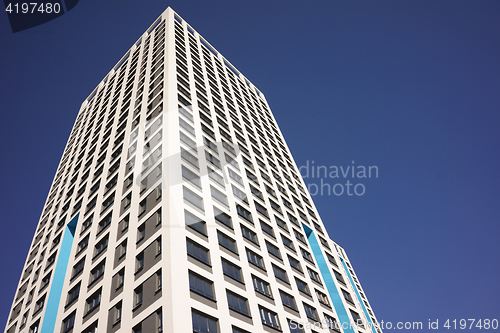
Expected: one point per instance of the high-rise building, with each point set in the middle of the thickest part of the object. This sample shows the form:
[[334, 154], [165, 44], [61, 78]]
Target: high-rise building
[[177, 207]]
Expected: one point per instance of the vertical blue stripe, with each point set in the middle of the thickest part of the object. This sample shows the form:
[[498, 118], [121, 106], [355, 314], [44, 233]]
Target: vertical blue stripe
[[49, 319], [329, 282], [358, 296]]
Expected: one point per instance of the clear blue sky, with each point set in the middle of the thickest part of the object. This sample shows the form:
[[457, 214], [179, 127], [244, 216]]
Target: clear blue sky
[[412, 87]]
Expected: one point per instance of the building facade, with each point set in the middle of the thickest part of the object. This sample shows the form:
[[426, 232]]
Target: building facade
[[177, 207]]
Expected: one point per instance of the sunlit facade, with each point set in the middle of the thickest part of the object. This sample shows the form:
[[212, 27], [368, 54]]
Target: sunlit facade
[[178, 207]]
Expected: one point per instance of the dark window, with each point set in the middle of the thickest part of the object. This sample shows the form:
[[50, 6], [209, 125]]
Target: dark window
[[202, 323], [288, 300], [280, 274], [195, 223], [200, 285], [261, 286], [237, 303], [231, 270], [197, 251]]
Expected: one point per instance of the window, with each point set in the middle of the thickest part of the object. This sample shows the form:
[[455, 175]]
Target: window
[[280, 274], [45, 281], [69, 322], [219, 196], [91, 205], [202, 323], [39, 304], [324, 242], [294, 327], [332, 323], [287, 203], [223, 217], [293, 219], [30, 296], [197, 251], [231, 270], [244, 213], [311, 312], [82, 245], [24, 320], [249, 234], [252, 177], [158, 246], [238, 330], [261, 286], [247, 162], [288, 243], [87, 223], [111, 183], [138, 296], [201, 286], [281, 223], [306, 255], [125, 222], [190, 176], [299, 236], [294, 263], [269, 318], [210, 145], [270, 190], [275, 206], [256, 192], [34, 327], [185, 139], [159, 321], [108, 202], [231, 161], [261, 209], [272, 249], [239, 194], [192, 198], [281, 189], [104, 223], [120, 278], [356, 318], [267, 228], [347, 296], [235, 176], [101, 246], [139, 262], [215, 176], [195, 223], [78, 268], [331, 259], [122, 249], [93, 302], [314, 276], [97, 272], [141, 232], [212, 159], [73, 294], [137, 328], [322, 298], [339, 277], [188, 157], [255, 259], [227, 242], [288, 300], [237, 303], [302, 286], [117, 313]]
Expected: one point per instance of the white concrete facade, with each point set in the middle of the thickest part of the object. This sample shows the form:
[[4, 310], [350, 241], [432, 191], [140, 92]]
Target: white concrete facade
[[172, 137]]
